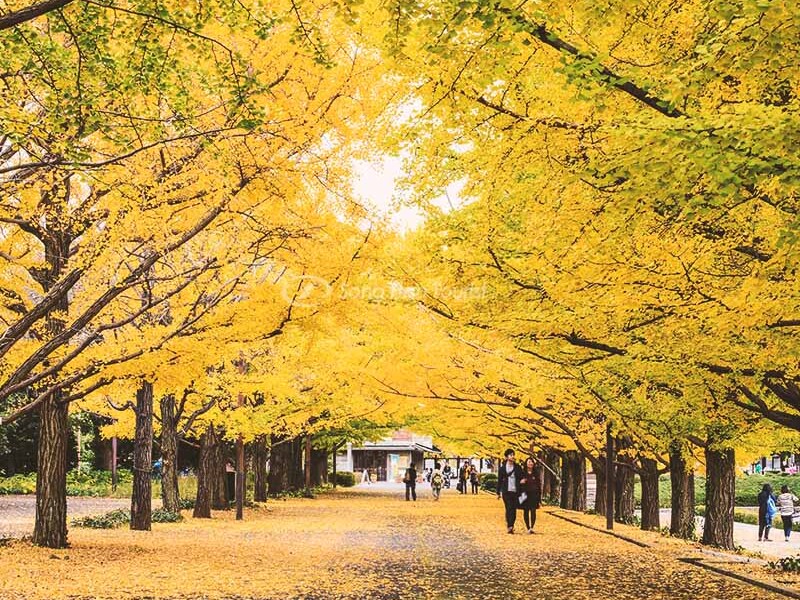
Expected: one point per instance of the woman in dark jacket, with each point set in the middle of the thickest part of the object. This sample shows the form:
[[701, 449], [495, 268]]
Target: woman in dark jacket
[[766, 510], [531, 497]]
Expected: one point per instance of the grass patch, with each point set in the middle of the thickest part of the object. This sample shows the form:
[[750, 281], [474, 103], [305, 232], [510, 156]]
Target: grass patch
[[747, 488], [86, 482], [120, 517]]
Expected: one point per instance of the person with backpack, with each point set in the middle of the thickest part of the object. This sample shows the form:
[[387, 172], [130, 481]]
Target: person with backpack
[[437, 480], [410, 479], [766, 512], [785, 504]]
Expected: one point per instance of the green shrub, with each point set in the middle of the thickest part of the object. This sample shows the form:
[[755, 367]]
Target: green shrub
[[109, 520], [345, 478], [86, 482], [161, 515], [488, 481], [187, 503], [18, 484], [788, 564], [120, 517]]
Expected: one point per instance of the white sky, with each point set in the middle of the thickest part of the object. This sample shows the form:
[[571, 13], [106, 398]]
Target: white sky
[[375, 187]]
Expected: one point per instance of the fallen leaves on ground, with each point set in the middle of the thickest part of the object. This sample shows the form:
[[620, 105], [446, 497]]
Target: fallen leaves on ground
[[352, 544]]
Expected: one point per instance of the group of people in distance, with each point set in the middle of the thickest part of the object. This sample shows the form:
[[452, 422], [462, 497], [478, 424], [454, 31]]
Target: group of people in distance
[[769, 505], [518, 486]]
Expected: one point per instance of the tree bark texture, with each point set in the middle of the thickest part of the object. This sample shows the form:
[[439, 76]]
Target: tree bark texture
[[720, 492], [682, 521], [170, 495], [600, 485], [554, 462], [285, 465], [141, 498], [260, 454], [50, 529], [573, 481], [219, 474], [650, 499], [624, 502], [319, 467], [205, 475]]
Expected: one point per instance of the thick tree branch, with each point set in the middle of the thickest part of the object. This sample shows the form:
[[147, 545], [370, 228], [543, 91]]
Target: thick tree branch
[[24, 15]]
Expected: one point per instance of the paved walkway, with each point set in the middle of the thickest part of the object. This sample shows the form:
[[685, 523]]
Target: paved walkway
[[17, 513], [746, 536], [362, 543]]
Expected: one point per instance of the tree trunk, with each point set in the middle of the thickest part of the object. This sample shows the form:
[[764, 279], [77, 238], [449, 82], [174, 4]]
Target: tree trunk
[[319, 467], [285, 465], [720, 493], [600, 485], [205, 475], [141, 498], [547, 481], [650, 499], [573, 481], [624, 502], [682, 523], [307, 463], [554, 462], [50, 529], [170, 495], [260, 468], [219, 474]]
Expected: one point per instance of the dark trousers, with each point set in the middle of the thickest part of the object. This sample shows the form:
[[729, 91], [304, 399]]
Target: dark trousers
[[474, 487], [510, 499], [529, 514], [763, 525], [411, 488], [787, 525]]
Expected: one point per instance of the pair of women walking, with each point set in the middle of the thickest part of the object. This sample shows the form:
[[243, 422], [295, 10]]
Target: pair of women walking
[[519, 488], [769, 506]]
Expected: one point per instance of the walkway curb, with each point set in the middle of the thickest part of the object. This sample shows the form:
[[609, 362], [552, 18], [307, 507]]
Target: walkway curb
[[601, 530], [698, 561]]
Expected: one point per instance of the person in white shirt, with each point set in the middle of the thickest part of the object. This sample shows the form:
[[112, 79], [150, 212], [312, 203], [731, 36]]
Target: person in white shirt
[[785, 504], [509, 486]]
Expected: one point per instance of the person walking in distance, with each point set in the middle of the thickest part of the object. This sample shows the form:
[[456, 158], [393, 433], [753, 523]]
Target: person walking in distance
[[410, 479], [463, 473], [437, 479], [785, 504], [531, 496], [473, 479], [509, 476], [766, 512]]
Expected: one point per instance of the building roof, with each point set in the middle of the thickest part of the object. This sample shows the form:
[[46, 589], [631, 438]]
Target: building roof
[[394, 445]]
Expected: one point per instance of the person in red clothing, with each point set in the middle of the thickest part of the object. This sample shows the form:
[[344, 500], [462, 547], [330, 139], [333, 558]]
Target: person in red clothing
[[531, 497]]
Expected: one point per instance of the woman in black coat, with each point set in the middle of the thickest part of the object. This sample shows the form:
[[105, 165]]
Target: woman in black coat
[[509, 484], [531, 497]]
